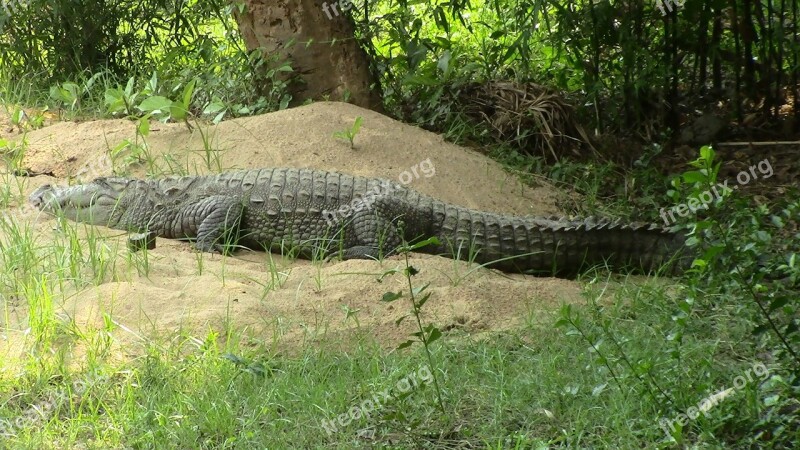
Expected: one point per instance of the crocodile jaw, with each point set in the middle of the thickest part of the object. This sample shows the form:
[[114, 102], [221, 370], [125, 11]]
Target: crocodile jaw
[[95, 203]]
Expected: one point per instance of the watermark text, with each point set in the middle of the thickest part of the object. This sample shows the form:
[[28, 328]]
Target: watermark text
[[379, 400], [716, 192]]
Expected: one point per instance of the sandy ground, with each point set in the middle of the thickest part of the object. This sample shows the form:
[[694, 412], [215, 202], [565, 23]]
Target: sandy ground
[[196, 293]]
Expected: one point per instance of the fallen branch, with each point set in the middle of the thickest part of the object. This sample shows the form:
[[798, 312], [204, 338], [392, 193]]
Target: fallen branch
[[760, 144]]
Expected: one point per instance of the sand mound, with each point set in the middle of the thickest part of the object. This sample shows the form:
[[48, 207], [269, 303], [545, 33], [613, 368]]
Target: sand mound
[[273, 297]]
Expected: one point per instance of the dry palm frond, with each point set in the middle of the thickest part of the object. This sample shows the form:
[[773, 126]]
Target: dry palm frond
[[537, 120]]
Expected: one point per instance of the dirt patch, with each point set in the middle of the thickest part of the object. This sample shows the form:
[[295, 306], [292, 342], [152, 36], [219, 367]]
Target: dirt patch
[[272, 298]]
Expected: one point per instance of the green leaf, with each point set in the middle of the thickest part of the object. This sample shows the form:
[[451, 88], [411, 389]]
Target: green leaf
[[72, 88], [18, 116], [561, 323], [405, 344], [444, 62], [177, 111], [419, 290], [702, 225], [444, 43], [218, 117], [152, 85], [420, 80], [694, 176], [188, 91], [87, 87], [778, 303], [391, 296], [410, 271], [434, 335], [285, 101], [388, 273], [155, 103], [60, 94], [356, 125], [214, 106], [699, 263], [707, 153], [512, 49], [129, 87], [115, 100], [426, 242], [423, 300], [233, 358], [144, 125], [440, 18], [772, 400], [713, 251]]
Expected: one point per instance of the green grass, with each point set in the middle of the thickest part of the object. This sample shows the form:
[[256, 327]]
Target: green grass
[[577, 386], [534, 383]]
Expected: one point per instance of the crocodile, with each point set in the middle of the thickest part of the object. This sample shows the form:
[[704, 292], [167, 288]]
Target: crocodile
[[352, 217]]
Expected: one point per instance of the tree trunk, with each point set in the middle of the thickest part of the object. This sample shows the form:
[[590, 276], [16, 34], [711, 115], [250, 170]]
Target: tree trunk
[[317, 37]]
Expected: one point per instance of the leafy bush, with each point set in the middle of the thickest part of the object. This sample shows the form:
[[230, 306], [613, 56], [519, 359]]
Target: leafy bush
[[78, 51], [737, 308]]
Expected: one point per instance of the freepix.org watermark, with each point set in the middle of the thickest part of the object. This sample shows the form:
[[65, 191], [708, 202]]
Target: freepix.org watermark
[[365, 202], [666, 5], [704, 199], [379, 400], [41, 411], [704, 405], [344, 5]]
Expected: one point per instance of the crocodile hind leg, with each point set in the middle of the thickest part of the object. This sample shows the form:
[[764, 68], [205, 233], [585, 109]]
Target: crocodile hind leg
[[219, 218], [369, 235]]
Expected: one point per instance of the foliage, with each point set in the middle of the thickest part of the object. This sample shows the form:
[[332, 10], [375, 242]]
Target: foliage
[[425, 335], [78, 51], [350, 134], [741, 254], [753, 255], [742, 279], [630, 63]]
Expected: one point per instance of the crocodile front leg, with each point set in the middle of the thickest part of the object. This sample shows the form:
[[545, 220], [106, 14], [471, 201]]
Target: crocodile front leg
[[219, 218]]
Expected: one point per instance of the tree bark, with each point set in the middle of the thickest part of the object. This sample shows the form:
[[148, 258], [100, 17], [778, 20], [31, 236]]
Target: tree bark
[[318, 39]]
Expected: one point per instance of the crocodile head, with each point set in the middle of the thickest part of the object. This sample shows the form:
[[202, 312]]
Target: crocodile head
[[99, 202]]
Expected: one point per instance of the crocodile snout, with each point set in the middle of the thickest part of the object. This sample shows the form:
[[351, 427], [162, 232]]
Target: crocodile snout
[[42, 196]]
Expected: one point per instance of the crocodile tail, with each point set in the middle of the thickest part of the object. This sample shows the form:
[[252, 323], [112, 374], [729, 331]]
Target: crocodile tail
[[558, 247]]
